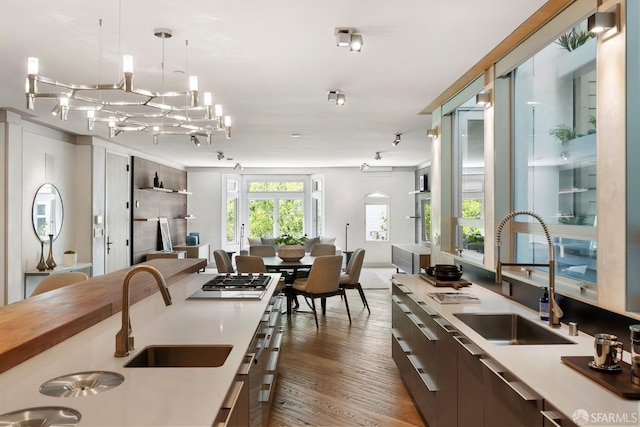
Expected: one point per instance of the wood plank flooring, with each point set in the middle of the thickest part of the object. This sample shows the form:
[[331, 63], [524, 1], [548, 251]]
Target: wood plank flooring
[[341, 375]]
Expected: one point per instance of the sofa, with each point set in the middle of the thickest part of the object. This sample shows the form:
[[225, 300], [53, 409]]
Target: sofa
[[308, 244]]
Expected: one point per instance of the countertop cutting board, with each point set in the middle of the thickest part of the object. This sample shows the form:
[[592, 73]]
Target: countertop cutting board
[[618, 382]]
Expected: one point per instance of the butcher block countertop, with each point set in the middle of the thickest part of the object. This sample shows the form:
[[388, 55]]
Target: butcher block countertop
[[33, 325]]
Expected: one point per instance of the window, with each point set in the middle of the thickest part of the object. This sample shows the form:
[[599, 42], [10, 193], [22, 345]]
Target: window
[[376, 222], [276, 207], [554, 162], [468, 151], [232, 211], [426, 219]]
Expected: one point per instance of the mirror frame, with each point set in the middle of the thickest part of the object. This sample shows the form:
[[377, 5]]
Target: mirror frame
[[59, 209]]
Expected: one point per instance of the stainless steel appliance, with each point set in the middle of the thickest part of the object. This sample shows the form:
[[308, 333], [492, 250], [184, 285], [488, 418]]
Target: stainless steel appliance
[[234, 286]]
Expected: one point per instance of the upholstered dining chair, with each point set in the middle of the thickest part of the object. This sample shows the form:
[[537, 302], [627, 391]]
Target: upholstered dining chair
[[320, 249], [262, 250], [351, 278], [255, 264], [59, 280], [323, 282], [223, 262]]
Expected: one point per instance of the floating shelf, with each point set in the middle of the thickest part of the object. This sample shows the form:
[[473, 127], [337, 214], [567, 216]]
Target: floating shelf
[[414, 217], [146, 219], [182, 191], [188, 217], [163, 190], [419, 192]]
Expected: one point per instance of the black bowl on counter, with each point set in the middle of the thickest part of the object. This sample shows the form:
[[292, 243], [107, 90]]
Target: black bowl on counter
[[447, 272], [429, 270]]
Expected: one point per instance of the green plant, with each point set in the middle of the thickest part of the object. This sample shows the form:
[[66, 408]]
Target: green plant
[[287, 239], [475, 237], [69, 251], [563, 133], [574, 39]]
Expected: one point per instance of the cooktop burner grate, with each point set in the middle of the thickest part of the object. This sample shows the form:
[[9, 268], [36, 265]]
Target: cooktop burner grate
[[237, 282]]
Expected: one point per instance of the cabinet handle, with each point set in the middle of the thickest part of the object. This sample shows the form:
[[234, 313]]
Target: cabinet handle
[[445, 325], [552, 416], [423, 328], [229, 404], [473, 349], [400, 304], [277, 342], [401, 342], [426, 379], [521, 389]]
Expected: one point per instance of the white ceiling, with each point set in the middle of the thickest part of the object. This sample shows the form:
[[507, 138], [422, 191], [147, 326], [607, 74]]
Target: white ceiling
[[270, 63]]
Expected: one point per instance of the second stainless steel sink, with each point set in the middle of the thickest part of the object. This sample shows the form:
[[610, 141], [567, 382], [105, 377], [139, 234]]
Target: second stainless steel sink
[[180, 356], [510, 329]]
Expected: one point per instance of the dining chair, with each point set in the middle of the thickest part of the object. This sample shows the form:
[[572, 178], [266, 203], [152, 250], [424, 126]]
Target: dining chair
[[320, 249], [255, 264], [323, 282], [351, 278], [223, 262], [59, 280], [262, 250]]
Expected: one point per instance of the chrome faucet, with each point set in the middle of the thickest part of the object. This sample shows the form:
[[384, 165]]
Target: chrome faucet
[[555, 312], [124, 338]]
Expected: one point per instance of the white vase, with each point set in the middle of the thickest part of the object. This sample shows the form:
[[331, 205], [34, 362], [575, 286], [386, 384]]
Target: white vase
[[69, 260], [291, 252]]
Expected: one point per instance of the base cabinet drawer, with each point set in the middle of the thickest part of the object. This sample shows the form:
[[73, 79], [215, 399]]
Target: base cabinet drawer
[[507, 401], [470, 384]]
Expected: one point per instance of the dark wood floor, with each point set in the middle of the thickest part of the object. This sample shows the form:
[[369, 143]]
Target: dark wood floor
[[341, 375]]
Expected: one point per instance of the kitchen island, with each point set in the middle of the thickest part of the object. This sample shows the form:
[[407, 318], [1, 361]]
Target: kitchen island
[[148, 396], [459, 377]]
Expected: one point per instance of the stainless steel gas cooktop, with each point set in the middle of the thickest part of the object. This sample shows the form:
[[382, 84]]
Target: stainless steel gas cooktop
[[234, 286]]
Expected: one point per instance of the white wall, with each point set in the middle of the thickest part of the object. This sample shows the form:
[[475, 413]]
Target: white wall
[[345, 191]]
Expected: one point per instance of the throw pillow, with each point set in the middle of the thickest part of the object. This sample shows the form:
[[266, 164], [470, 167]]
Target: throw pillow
[[269, 241], [328, 240], [254, 241], [310, 242]]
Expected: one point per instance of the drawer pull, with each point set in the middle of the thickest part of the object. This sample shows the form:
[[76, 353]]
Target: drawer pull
[[552, 417], [520, 388], [426, 379], [473, 349], [445, 325], [423, 328]]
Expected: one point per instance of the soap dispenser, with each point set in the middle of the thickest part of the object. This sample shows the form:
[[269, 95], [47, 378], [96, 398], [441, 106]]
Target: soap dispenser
[[544, 306]]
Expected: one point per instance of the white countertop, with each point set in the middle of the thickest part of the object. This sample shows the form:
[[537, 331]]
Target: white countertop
[[148, 396], [538, 366]]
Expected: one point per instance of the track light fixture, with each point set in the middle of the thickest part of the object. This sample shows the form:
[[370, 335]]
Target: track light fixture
[[238, 166], [364, 166], [377, 156], [336, 96], [220, 155], [158, 113], [432, 133], [345, 37], [396, 141], [195, 140]]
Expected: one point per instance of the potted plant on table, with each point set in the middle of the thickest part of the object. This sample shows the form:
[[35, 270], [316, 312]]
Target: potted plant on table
[[290, 248], [69, 258]]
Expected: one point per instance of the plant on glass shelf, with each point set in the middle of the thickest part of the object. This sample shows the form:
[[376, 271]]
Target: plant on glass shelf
[[288, 239]]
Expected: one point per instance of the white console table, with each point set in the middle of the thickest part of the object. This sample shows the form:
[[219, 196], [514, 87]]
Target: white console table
[[59, 269]]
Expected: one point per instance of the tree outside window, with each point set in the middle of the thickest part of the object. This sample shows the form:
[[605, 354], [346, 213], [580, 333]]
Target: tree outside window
[[377, 222]]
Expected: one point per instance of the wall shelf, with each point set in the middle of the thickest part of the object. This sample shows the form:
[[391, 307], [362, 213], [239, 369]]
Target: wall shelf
[[419, 192], [164, 190]]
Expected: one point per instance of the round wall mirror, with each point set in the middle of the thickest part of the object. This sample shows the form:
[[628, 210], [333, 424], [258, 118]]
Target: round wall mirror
[[47, 212]]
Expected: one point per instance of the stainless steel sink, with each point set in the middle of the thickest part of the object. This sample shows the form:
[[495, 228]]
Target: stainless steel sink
[[41, 417], [81, 384], [180, 356], [510, 329]]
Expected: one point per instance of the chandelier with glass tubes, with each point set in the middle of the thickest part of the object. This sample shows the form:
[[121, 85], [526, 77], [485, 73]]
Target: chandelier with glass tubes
[[128, 109]]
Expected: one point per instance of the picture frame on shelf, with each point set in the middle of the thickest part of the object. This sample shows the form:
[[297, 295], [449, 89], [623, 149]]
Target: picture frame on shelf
[[165, 234], [424, 182]]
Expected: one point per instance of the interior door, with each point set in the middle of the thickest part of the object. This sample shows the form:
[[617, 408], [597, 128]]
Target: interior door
[[117, 222]]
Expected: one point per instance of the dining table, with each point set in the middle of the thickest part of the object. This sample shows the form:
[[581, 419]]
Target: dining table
[[277, 264]]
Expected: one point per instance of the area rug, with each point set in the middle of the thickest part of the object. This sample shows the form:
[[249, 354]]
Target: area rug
[[376, 278]]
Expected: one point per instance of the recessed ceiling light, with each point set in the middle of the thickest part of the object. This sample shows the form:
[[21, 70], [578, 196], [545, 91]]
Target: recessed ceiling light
[[295, 135]]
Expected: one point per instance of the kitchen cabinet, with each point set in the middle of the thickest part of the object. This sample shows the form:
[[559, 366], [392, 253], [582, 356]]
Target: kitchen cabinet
[[507, 401], [552, 417], [410, 258], [470, 384], [424, 349]]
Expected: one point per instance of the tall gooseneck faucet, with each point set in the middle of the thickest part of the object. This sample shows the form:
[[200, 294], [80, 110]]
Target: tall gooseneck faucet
[[555, 312], [124, 338]]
